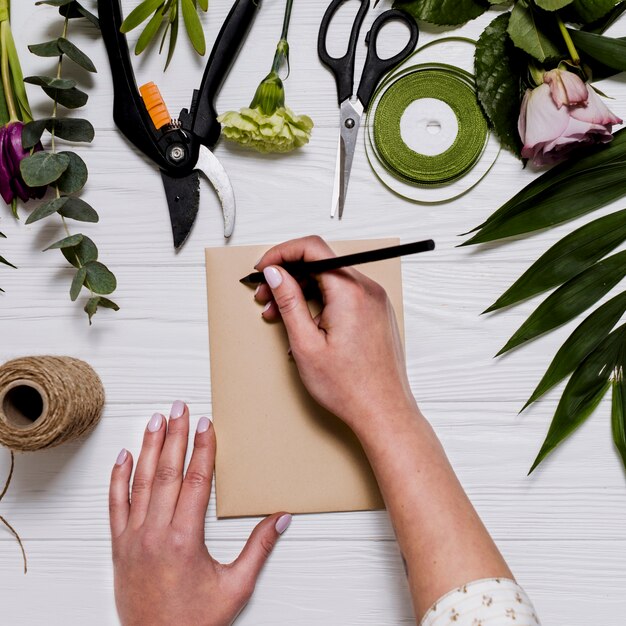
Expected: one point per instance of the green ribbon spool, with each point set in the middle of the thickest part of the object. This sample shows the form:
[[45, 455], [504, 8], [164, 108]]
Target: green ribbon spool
[[454, 87]]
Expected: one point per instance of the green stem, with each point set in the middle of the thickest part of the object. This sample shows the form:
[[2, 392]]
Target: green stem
[[571, 48], [286, 20], [6, 74]]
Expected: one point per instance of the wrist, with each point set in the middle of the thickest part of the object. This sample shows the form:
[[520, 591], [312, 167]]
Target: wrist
[[381, 422]]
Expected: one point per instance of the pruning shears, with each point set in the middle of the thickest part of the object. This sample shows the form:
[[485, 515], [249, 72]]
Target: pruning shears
[[180, 147]]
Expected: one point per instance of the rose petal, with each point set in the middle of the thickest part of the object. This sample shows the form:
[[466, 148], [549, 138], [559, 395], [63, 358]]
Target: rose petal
[[596, 112], [566, 88]]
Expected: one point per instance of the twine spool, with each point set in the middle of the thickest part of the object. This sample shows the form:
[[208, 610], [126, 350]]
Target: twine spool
[[46, 401]]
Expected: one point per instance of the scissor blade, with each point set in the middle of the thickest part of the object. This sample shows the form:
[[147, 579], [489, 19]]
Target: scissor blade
[[209, 165], [350, 121], [183, 199], [338, 180]]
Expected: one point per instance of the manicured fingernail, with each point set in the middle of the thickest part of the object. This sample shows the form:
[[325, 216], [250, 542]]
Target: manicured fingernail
[[258, 261], [257, 290], [121, 457], [282, 524], [272, 276], [204, 423], [177, 410], [155, 422], [266, 307]]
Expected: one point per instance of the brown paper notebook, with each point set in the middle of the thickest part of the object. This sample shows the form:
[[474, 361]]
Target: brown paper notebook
[[278, 450]]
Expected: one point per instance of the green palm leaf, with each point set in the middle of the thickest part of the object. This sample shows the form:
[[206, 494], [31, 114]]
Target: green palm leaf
[[583, 392], [618, 414], [140, 14], [563, 200], [571, 299], [567, 171], [584, 340], [567, 258]]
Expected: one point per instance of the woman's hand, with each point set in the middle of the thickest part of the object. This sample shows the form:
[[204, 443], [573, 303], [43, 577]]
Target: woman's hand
[[350, 357], [164, 573]]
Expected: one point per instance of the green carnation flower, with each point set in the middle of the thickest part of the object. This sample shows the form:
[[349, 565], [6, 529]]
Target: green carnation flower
[[267, 125]]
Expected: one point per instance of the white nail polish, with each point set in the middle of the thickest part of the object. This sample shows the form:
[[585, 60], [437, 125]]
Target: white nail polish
[[266, 307]]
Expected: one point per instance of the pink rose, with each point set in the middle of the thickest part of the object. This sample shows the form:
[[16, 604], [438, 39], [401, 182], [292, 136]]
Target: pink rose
[[561, 115]]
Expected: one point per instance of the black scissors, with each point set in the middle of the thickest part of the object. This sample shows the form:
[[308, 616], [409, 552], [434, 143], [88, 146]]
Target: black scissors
[[180, 147], [350, 113]]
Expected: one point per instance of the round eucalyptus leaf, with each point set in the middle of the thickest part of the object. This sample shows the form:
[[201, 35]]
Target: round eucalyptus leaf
[[75, 176], [43, 168], [72, 129], [70, 98], [78, 282], [99, 278], [75, 54], [31, 133], [46, 209], [51, 82], [66, 242], [79, 210], [46, 49], [81, 254]]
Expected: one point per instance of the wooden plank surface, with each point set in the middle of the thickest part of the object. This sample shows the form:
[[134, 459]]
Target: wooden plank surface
[[562, 529]]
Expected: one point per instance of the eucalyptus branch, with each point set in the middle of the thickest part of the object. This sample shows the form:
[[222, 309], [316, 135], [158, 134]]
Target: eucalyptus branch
[[65, 171]]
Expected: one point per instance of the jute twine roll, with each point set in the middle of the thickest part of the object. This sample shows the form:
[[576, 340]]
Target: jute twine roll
[[46, 401]]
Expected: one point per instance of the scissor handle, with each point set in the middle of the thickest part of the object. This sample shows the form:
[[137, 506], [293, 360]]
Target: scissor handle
[[341, 67], [375, 67], [229, 41], [129, 111]]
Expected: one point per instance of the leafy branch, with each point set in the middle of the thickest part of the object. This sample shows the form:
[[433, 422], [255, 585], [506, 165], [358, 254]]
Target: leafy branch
[[165, 15], [65, 171]]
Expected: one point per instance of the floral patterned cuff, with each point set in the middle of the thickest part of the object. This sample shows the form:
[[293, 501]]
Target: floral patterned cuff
[[487, 602]]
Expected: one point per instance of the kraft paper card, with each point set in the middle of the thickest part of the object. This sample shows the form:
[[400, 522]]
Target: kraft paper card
[[278, 450]]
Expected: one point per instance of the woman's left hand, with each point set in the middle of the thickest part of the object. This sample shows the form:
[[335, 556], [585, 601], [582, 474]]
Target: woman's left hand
[[164, 573]]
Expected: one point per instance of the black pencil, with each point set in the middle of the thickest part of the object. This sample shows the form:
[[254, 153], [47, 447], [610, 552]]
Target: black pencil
[[301, 269]]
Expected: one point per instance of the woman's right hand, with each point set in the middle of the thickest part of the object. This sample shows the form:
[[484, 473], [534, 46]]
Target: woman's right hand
[[350, 357]]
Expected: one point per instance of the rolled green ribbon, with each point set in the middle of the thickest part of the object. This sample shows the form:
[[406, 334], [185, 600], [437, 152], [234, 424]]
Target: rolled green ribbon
[[454, 87]]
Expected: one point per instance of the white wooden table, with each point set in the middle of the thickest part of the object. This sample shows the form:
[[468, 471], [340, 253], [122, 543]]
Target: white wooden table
[[562, 529]]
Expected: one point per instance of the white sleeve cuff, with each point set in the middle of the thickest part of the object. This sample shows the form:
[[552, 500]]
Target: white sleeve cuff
[[487, 602]]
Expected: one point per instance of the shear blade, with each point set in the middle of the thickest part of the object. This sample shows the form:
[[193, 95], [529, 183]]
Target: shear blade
[[183, 200], [210, 166]]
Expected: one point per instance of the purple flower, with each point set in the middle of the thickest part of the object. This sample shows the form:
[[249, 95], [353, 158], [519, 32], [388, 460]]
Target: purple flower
[[12, 184], [561, 115]]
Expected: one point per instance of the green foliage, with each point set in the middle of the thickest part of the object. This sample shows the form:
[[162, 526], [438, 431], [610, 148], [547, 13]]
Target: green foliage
[[93, 304], [533, 35], [584, 340], [593, 353], [66, 242], [607, 50], [567, 258], [552, 5], [99, 278], [618, 412], [443, 12], [77, 282], [75, 176], [46, 209], [79, 210], [75, 54], [571, 299], [583, 392], [498, 81], [193, 26], [164, 15], [82, 253], [70, 98], [43, 168], [588, 11], [65, 170]]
